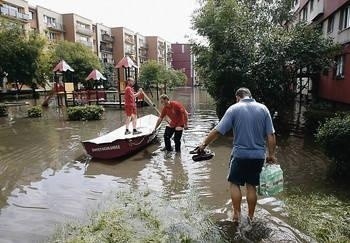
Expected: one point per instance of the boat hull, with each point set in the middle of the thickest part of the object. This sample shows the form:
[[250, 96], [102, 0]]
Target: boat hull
[[117, 144], [119, 147]]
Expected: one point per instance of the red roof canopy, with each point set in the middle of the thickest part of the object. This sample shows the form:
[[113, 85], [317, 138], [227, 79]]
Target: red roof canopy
[[95, 75], [62, 66], [126, 62]]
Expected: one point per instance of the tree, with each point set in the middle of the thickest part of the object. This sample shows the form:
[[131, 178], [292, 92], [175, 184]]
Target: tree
[[155, 74], [19, 54], [79, 57], [151, 73], [248, 45], [108, 71]]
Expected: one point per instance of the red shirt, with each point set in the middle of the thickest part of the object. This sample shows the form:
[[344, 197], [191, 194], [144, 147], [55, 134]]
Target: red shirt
[[129, 96], [176, 112]]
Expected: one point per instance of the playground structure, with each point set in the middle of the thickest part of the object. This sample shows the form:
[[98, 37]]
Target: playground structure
[[67, 94]]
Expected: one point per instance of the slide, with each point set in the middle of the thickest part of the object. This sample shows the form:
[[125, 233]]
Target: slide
[[48, 98]]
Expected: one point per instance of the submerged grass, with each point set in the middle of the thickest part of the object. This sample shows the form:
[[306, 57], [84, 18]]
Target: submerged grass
[[144, 217], [324, 217]]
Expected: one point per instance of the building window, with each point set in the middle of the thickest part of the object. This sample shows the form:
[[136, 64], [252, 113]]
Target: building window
[[49, 20], [311, 5], [339, 67], [330, 24], [344, 21], [52, 36]]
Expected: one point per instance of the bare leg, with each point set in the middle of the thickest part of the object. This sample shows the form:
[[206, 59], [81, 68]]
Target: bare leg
[[127, 122], [251, 200], [236, 197], [134, 119]]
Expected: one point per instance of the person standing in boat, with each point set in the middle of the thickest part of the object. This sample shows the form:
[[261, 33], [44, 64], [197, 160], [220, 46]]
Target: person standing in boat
[[130, 106], [178, 116]]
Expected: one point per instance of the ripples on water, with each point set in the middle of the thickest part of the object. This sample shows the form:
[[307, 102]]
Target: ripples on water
[[46, 178]]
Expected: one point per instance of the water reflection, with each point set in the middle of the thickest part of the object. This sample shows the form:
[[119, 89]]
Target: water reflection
[[46, 177]]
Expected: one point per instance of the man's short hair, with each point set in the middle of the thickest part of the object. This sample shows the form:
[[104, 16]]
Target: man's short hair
[[243, 92], [130, 79], [164, 97]]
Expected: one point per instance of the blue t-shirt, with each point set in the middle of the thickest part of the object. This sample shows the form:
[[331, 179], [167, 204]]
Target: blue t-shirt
[[251, 123]]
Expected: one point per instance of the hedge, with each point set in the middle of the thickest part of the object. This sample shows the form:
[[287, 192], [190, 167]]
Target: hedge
[[81, 113], [334, 137]]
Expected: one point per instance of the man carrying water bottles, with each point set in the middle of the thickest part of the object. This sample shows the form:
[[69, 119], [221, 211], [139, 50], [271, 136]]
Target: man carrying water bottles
[[252, 130]]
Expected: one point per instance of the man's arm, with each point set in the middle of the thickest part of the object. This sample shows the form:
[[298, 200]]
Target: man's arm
[[138, 93], [271, 147], [185, 114], [158, 123], [211, 137]]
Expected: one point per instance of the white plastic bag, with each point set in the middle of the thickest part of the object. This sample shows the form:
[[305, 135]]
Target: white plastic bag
[[271, 180]]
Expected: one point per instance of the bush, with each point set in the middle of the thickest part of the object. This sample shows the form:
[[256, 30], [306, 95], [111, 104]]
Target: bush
[[34, 112], [81, 113], [315, 117], [334, 137], [3, 110]]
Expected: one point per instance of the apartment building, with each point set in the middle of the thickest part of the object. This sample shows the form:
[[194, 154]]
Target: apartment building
[[169, 54], [333, 17], [16, 11], [49, 23], [104, 43], [182, 59], [156, 49], [142, 49], [78, 29], [124, 45]]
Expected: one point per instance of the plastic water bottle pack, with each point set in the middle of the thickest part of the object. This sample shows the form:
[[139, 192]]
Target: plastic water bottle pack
[[271, 180]]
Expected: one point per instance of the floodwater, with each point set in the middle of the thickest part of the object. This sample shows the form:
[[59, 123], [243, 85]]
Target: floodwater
[[46, 179]]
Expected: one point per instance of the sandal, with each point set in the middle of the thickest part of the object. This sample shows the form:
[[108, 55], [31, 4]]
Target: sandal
[[206, 155]]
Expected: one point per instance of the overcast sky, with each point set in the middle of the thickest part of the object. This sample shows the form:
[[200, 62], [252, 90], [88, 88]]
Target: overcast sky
[[169, 19]]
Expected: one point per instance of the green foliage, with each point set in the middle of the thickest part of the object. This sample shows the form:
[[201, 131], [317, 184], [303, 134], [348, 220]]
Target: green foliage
[[324, 217], [19, 53], [46, 63], [82, 113], [153, 73], [143, 217], [35, 112], [315, 117], [247, 46], [177, 78], [108, 72], [3, 110], [79, 57], [334, 137], [150, 73]]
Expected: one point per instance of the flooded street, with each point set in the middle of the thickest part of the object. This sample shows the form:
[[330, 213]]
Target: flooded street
[[46, 179]]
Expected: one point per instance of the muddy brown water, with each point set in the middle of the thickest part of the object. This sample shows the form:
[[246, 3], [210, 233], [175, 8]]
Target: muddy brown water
[[47, 179]]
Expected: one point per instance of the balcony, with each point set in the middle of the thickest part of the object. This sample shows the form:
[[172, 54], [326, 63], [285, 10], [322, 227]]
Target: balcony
[[14, 14], [129, 39], [107, 38], [55, 26], [86, 43], [106, 48], [84, 31], [143, 47], [317, 10], [343, 36]]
